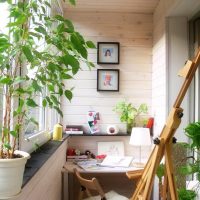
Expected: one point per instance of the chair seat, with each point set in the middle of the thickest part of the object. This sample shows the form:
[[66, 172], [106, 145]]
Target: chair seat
[[112, 195]]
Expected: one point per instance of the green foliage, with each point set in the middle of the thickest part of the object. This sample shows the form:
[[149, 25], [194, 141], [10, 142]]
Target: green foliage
[[184, 194], [160, 172], [128, 113], [192, 167], [193, 132], [47, 45]]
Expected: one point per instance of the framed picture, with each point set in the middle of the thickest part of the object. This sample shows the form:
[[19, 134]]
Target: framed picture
[[108, 80], [108, 53], [113, 148]]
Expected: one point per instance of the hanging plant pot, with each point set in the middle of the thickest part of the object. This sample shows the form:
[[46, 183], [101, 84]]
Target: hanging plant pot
[[11, 175]]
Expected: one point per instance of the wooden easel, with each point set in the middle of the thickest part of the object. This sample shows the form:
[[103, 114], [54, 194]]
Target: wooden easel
[[164, 143]]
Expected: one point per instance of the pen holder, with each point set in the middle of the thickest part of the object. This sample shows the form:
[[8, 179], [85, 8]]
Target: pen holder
[[57, 132]]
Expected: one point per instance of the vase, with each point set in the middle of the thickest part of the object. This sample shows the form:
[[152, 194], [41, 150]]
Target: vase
[[11, 175], [129, 128]]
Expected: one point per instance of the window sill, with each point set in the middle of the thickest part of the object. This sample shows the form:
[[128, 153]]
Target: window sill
[[39, 157]]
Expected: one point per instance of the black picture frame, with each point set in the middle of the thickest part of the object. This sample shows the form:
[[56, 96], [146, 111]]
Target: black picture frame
[[108, 80], [108, 52]]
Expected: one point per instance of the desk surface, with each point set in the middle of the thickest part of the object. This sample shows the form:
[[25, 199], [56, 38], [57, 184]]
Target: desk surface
[[69, 166]]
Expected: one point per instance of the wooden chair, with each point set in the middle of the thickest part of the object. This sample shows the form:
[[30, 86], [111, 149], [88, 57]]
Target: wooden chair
[[93, 185]]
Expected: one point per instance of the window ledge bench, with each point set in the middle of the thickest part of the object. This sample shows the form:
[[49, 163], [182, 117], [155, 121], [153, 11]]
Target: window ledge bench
[[43, 177]]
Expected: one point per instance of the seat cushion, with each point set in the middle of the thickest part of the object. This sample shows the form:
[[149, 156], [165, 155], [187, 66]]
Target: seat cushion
[[112, 195]]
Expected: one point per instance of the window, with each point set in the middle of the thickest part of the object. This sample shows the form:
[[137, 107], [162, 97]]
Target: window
[[46, 117], [3, 29]]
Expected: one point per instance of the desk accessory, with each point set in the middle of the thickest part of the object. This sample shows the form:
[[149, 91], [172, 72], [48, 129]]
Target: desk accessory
[[112, 148], [57, 132], [112, 129], [140, 137], [92, 119]]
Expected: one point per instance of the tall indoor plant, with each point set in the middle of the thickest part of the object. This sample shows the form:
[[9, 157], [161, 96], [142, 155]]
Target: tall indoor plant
[[37, 54]]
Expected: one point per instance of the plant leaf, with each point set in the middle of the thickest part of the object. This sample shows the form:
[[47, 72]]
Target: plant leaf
[[68, 94], [7, 146], [73, 2], [44, 102], [58, 110], [31, 103], [91, 45], [27, 52], [14, 134]]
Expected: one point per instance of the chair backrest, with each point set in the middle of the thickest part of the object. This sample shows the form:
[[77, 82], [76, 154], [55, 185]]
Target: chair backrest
[[88, 185]]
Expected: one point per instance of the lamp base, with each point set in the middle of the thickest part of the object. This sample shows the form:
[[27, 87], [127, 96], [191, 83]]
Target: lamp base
[[138, 164]]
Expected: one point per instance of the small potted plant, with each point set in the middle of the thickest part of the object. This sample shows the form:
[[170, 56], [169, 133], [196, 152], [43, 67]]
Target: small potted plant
[[128, 113], [49, 48]]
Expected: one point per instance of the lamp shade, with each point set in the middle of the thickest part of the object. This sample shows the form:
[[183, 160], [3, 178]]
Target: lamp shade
[[140, 137]]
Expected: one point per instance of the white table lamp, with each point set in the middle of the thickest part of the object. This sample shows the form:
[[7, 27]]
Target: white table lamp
[[140, 137]]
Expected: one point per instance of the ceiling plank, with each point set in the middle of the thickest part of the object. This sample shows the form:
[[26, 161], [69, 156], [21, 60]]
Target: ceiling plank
[[136, 6]]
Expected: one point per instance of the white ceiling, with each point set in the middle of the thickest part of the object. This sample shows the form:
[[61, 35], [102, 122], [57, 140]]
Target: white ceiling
[[185, 8], [136, 6]]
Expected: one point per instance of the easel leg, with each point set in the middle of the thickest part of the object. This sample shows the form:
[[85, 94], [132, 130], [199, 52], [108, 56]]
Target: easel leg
[[170, 172], [144, 188], [165, 186]]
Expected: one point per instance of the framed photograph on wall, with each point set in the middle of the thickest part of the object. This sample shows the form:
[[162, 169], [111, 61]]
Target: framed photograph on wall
[[108, 80], [108, 53]]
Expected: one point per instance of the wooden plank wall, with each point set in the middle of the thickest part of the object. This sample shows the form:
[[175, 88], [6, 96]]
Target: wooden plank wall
[[159, 71], [134, 32], [159, 64], [90, 143]]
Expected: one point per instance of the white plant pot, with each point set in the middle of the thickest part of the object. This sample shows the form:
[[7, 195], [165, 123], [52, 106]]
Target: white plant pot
[[11, 175]]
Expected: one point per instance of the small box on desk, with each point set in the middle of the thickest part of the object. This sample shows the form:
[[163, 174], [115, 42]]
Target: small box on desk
[[74, 129]]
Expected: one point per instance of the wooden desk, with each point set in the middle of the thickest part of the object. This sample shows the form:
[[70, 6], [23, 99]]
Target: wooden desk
[[116, 180]]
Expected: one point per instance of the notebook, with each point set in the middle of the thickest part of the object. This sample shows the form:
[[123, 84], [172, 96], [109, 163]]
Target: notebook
[[117, 161]]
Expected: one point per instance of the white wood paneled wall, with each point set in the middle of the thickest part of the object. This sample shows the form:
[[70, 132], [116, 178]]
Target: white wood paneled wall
[[134, 32], [90, 143], [159, 69]]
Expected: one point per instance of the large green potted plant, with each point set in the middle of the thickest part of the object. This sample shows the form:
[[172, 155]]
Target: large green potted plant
[[48, 47], [128, 113]]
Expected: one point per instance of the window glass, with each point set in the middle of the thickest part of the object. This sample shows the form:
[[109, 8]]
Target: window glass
[[3, 29]]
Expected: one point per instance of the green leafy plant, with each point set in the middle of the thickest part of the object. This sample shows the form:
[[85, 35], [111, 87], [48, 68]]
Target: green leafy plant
[[192, 167], [160, 174], [193, 132], [184, 194], [37, 54], [128, 113]]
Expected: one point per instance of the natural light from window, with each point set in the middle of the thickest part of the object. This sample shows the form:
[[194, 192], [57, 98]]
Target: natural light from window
[[3, 29], [3, 17]]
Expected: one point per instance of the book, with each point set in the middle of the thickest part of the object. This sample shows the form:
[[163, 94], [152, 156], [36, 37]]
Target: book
[[117, 161], [73, 132], [74, 129], [77, 158]]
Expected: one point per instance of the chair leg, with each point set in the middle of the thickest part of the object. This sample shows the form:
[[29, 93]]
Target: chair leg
[[82, 190]]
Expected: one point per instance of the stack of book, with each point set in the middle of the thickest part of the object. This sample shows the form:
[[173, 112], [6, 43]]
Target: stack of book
[[77, 158], [73, 129]]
